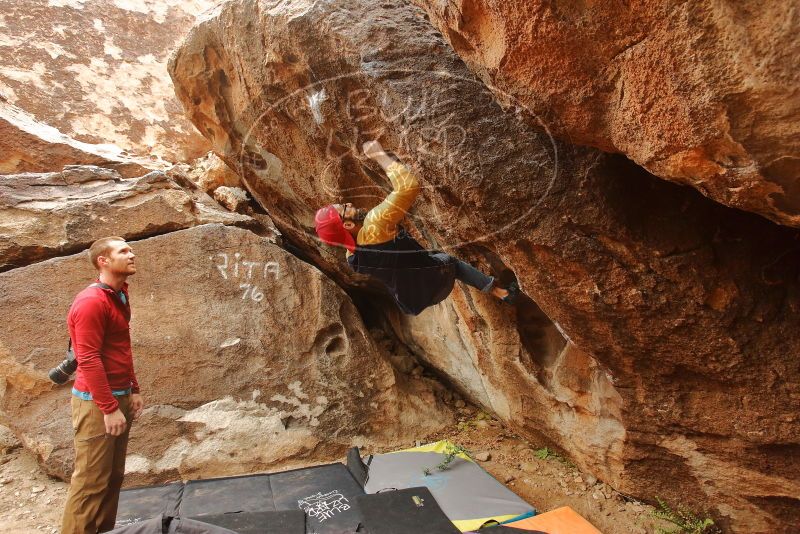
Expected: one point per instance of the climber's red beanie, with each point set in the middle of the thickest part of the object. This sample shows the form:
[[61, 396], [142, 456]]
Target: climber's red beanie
[[330, 228]]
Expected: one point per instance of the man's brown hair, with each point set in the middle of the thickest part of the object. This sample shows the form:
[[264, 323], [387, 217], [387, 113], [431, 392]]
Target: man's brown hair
[[101, 247]]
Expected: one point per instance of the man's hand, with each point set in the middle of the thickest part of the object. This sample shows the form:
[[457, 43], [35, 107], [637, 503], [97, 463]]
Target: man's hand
[[137, 405], [115, 423], [372, 149]]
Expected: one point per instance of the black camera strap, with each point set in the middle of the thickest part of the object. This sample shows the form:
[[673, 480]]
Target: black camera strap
[[100, 284]]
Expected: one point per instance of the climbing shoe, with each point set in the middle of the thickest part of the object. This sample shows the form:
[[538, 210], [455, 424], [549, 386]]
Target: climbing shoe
[[513, 293]]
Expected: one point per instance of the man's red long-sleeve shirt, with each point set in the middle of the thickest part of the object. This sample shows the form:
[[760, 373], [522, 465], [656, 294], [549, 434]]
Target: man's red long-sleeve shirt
[[98, 324]]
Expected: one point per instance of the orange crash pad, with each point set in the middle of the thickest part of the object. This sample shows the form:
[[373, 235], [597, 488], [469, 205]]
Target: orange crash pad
[[562, 520]]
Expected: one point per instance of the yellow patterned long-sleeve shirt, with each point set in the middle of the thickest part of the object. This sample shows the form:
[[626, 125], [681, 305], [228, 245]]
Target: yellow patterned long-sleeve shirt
[[381, 223]]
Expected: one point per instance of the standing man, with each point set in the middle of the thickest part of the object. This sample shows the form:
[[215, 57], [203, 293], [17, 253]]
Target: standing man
[[105, 396], [378, 245]]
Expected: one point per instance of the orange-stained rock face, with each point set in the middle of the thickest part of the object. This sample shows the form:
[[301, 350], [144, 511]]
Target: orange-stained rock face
[[680, 313], [247, 359], [700, 93], [96, 70]]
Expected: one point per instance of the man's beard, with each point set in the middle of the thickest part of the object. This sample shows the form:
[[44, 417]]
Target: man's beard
[[125, 270]]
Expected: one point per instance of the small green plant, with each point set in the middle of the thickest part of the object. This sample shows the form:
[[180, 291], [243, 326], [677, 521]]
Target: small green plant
[[685, 521], [450, 454], [482, 416], [473, 423], [545, 453]]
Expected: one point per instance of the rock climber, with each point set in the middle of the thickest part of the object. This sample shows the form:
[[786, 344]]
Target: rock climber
[[379, 246]]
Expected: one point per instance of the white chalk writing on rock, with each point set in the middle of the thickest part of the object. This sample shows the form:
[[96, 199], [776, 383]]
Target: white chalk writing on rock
[[247, 272]]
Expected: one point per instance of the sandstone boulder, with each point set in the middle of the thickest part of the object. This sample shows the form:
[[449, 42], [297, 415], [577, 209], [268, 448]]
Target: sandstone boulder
[[27, 145], [209, 172], [700, 93], [95, 70], [679, 313], [8, 441], [47, 214], [233, 198], [247, 358]]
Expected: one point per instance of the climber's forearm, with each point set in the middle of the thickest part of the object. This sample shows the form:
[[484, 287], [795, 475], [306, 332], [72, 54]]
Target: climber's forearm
[[374, 151], [383, 159]]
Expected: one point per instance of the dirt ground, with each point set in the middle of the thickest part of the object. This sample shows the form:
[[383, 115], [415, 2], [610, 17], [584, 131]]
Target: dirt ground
[[30, 501]]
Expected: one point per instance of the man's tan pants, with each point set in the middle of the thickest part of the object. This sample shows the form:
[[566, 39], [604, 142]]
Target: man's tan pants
[[99, 468]]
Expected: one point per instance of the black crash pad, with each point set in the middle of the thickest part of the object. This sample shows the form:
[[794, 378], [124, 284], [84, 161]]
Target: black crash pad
[[326, 494], [226, 495], [139, 504], [357, 467], [406, 511], [162, 524], [280, 522]]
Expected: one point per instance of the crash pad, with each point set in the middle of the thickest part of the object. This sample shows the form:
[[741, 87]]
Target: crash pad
[[277, 522], [562, 520], [468, 495], [406, 511]]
